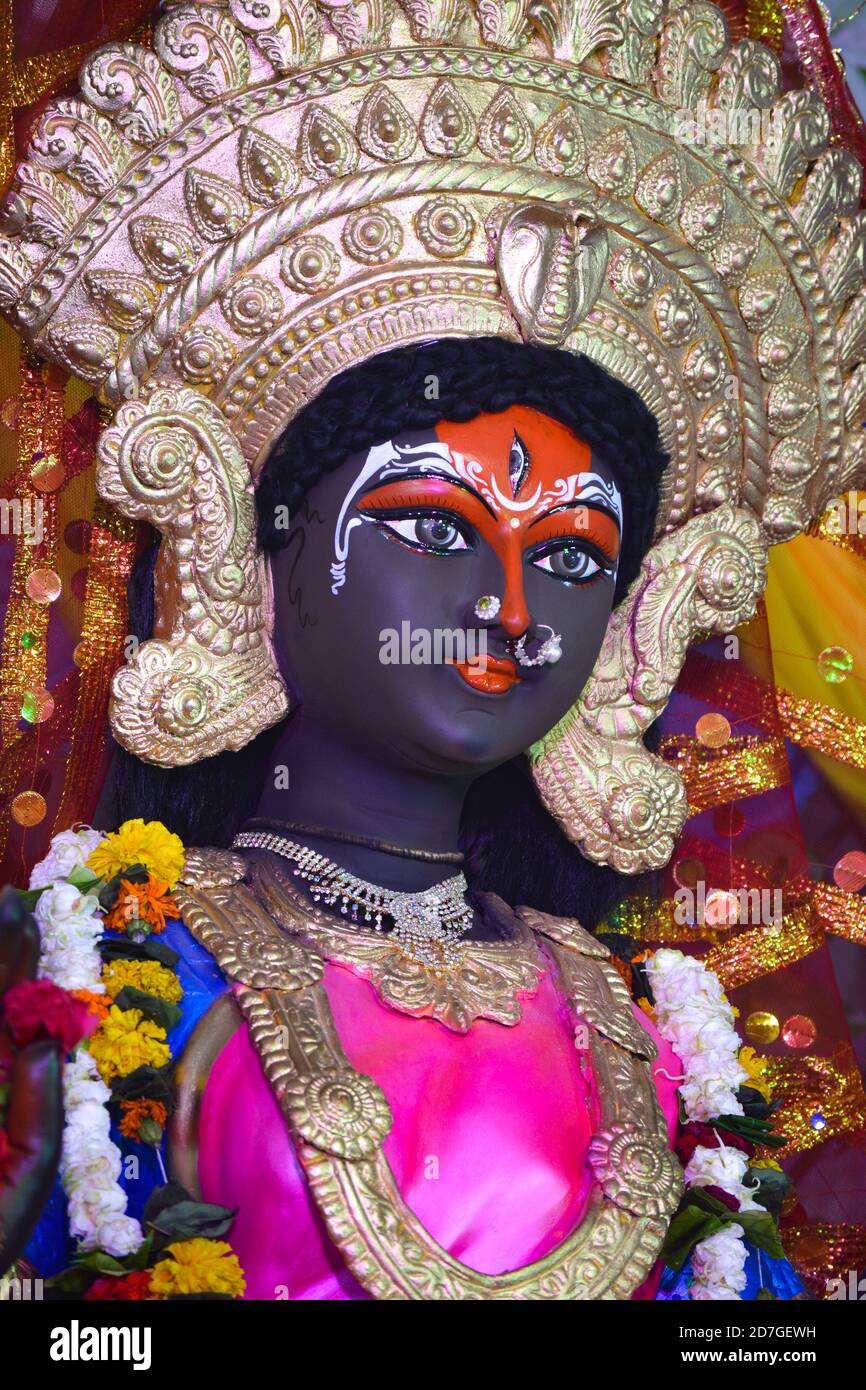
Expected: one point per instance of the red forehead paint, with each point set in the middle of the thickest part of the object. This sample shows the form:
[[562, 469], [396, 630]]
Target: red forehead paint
[[510, 521]]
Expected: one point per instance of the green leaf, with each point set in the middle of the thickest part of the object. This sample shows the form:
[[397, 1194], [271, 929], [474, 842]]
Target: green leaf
[[159, 1011], [83, 878], [73, 1282], [161, 1197], [145, 1083], [108, 895], [688, 1227], [100, 1262], [29, 897], [760, 1230], [771, 1188], [699, 1197], [122, 948], [754, 1130], [140, 1258], [186, 1219]]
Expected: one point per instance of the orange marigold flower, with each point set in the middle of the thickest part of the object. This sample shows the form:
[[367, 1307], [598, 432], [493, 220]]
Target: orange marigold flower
[[150, 901], [97, 1004], [135, 1112]]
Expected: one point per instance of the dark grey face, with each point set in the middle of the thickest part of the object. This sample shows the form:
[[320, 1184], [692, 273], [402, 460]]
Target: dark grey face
[[404, 540]]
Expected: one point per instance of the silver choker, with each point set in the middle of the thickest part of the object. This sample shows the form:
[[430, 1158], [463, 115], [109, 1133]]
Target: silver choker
[[429, 925]]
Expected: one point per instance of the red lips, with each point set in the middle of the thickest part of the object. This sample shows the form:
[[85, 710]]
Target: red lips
[[495, 676]]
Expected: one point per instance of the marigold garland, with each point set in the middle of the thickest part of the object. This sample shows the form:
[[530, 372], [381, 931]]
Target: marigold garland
[[72, 915], [142, 902], [126, 1041], [146, 975], [139, 842], [198, 1266]]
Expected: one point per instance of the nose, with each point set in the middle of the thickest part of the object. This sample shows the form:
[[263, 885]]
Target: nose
[[514, 615]]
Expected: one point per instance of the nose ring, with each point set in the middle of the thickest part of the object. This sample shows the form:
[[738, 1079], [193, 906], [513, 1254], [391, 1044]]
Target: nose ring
[[549, 650], [488, 606]]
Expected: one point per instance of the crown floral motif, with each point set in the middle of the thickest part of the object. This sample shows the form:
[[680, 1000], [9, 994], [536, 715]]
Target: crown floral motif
[[279, 189]]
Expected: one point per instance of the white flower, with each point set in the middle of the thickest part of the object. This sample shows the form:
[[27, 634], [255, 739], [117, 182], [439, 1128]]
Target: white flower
[[61, 907], [91, 1164], [67, 851], [119, 1235], [71, 926], [719, 1265], [724, 1167], [707, 1098]]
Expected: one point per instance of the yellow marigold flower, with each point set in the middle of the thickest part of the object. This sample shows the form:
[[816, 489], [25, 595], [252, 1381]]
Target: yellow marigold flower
[[755, 1066], [765, 1163], [146, 975], [198, 1266], [126, 1041], [139, 842]]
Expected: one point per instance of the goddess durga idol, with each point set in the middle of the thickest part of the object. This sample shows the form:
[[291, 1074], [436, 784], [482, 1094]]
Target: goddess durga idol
[[421, 314]]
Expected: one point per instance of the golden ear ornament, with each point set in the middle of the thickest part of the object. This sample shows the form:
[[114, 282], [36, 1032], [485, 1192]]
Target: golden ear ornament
[[273, 192], [207, 680], [620, 803]]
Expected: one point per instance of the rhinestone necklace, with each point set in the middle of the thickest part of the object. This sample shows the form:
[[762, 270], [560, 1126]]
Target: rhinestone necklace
[[429, 925]]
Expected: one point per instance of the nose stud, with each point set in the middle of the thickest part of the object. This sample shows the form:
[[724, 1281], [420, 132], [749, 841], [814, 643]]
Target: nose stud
[[488, 607], [549, 650]]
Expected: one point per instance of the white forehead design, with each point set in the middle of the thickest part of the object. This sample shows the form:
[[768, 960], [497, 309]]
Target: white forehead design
[[390, 460]]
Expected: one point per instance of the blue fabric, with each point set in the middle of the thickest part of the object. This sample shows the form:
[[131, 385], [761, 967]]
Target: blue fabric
[[51, 1248], [762, 1272]]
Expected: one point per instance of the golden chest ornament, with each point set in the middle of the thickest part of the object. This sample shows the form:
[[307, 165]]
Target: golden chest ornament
[[272, 943]]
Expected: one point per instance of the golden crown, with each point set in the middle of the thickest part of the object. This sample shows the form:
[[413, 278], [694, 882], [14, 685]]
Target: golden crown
[[279, 189]]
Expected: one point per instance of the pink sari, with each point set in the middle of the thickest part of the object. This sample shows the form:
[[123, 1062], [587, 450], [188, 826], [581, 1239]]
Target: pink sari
[[488, 1145]]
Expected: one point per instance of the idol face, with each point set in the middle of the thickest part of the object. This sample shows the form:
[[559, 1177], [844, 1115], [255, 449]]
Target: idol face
[[375, 595]]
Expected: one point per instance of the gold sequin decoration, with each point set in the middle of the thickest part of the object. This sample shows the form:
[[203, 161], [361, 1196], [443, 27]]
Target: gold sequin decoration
[[814, 725], [744, 767], [804, 1085], [824, 1251], [765, 22], [761, 950]]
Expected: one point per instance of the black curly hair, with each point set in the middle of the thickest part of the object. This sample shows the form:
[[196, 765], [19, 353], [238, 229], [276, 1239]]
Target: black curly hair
[[388, 395], [513, 847]]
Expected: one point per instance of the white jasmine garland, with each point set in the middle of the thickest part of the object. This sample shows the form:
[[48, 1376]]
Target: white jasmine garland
[[696, 1019], [71, 926], [719, 1265], [67, 851], [694, 1016], [90, 1165], [724, 1167]]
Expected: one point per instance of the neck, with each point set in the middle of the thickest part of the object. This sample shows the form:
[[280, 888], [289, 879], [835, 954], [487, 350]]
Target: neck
[[333, 784]]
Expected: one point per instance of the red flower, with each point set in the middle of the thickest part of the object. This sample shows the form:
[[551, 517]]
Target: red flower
[[126, 1286], [40, 1009], [725, 1198], [5, 1155], [695, 1135]]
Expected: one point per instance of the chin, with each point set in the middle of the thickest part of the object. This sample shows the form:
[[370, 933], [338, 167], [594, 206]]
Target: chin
[[471, 741]]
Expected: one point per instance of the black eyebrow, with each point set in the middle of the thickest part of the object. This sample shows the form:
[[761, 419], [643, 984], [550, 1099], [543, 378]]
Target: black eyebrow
[[567, 506], [428, 473]]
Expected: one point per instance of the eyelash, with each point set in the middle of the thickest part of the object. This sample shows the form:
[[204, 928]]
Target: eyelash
[[552, 548], [462, 528], [467, 535]]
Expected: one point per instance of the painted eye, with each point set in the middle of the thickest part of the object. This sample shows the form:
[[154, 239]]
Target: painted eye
[[432, 532], [569, 563]]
